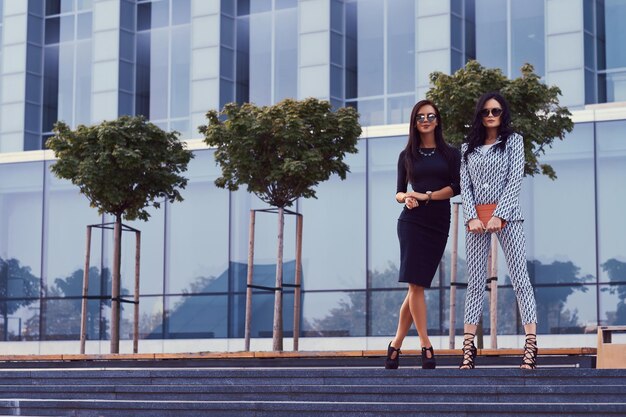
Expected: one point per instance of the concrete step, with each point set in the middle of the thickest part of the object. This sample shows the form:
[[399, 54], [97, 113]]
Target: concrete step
[[111, 408], [314, 376], [323, 393]]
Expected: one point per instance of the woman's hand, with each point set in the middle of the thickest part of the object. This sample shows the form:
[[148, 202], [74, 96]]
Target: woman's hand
[[494, 224], [417, 196], [476, 226], [411, 202]]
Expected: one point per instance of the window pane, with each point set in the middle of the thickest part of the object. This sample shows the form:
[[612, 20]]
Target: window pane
[[383, 211], [333, 314], [159, 76], [261, 58], [324, 260], [400, 46], [198, 262], [614, 13], [527, 35], [372, 112], [181, 12], [613, 297], [286, 65], [263, 314], [150, 319], [197, 317], [556, 257], [370, 47], [566, 309], [399, 109], [491, 29], [611, 171], [180, 78]]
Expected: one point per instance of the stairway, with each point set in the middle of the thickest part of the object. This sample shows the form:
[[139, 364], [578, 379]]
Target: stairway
[[313, 391]]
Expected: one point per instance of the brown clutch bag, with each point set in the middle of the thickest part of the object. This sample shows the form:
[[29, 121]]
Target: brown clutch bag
[[485, 213]]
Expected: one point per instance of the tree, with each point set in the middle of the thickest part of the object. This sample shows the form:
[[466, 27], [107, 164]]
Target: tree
[[535, 110], [281, 153], [122, 166]]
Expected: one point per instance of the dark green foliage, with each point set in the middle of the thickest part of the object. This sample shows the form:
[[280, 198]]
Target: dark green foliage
[[282, 151], [121, 166], [535, 110]]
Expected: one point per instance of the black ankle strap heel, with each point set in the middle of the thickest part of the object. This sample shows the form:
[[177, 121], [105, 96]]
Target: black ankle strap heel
[[468, 351], [428, 363], [529, 360], [392, 363]]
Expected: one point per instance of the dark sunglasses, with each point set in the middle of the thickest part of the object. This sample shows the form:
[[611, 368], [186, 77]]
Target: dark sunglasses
[[495, 112], [421, 118]]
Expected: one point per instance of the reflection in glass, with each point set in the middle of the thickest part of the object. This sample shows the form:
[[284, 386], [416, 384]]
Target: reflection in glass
[[150, 319], [566, 309], [262, 314], [572, 159], [333, 314], [400, 47], [334, 234], [611, 171], [260, 55], [195, 317], [371, 112], [399, 109], [491, 34], [198, 261], [527, 35], [286, 54], [370, 46], [613, 297]]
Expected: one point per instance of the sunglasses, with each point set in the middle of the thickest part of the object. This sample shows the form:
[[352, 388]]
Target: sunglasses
[[421, 118], [495, 112]]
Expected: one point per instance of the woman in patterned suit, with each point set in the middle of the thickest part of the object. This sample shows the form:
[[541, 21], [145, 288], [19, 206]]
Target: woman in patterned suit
[[492, 167], [432, 168]]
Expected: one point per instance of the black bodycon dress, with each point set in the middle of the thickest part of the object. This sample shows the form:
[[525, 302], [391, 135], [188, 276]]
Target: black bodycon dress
[[423, 231]]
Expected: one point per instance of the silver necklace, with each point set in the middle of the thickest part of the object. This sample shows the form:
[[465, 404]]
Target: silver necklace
[[431, 153]]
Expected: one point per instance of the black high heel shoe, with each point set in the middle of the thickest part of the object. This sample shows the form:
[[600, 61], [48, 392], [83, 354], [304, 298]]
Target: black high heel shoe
[[428, 363], [469, 352], [530, 352], [392, 363]]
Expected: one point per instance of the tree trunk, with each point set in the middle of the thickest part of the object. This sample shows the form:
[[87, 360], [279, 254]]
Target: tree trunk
[[277, 339], [115, 285], [248, 322]]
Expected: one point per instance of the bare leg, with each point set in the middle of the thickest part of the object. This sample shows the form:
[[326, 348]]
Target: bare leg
[[417, 305], [404, 324]]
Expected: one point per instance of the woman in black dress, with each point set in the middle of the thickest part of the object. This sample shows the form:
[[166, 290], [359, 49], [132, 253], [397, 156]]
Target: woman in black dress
[[432, 168]]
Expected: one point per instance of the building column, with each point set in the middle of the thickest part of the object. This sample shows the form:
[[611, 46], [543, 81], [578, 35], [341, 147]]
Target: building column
[[13, 70]]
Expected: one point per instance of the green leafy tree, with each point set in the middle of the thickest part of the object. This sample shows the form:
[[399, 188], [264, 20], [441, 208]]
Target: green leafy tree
[[535, 110], [122, 166], [281, 153]]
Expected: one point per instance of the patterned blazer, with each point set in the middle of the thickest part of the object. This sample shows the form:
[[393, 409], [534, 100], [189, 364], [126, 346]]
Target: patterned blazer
[[493, 176]]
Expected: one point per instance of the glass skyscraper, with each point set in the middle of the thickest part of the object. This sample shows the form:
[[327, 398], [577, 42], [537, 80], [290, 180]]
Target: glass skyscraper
[[84, 61]]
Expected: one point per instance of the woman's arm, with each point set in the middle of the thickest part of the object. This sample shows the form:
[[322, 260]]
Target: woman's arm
[[467, 191], [508, 199]]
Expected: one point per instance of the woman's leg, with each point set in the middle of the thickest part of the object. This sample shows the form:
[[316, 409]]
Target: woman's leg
[[417, 305], [513, 244], [477, 248], [404, 324]]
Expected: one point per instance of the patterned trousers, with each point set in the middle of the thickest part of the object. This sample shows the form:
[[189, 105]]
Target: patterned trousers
[[513, 245]]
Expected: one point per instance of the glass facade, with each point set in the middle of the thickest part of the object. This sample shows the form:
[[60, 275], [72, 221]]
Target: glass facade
[[82, 61], [194, 253]]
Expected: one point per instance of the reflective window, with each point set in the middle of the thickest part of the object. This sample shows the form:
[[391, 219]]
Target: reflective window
[[555, 257], [400, 47], [286, 54], [163, 64], [198, 262], [196, 317], [20, 257], [334, 234], [383, 211], [150, 319], [613, 297], [262, 308], [333, 314], [527, 35], [67, 64], [615, 36], [371, 45], [491, 34], [611, 171]]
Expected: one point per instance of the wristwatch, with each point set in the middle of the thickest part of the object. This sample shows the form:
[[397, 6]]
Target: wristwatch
[[430, 195]]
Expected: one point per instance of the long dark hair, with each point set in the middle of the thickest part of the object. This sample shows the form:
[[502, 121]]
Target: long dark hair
[[478, 132], [411, 152]]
